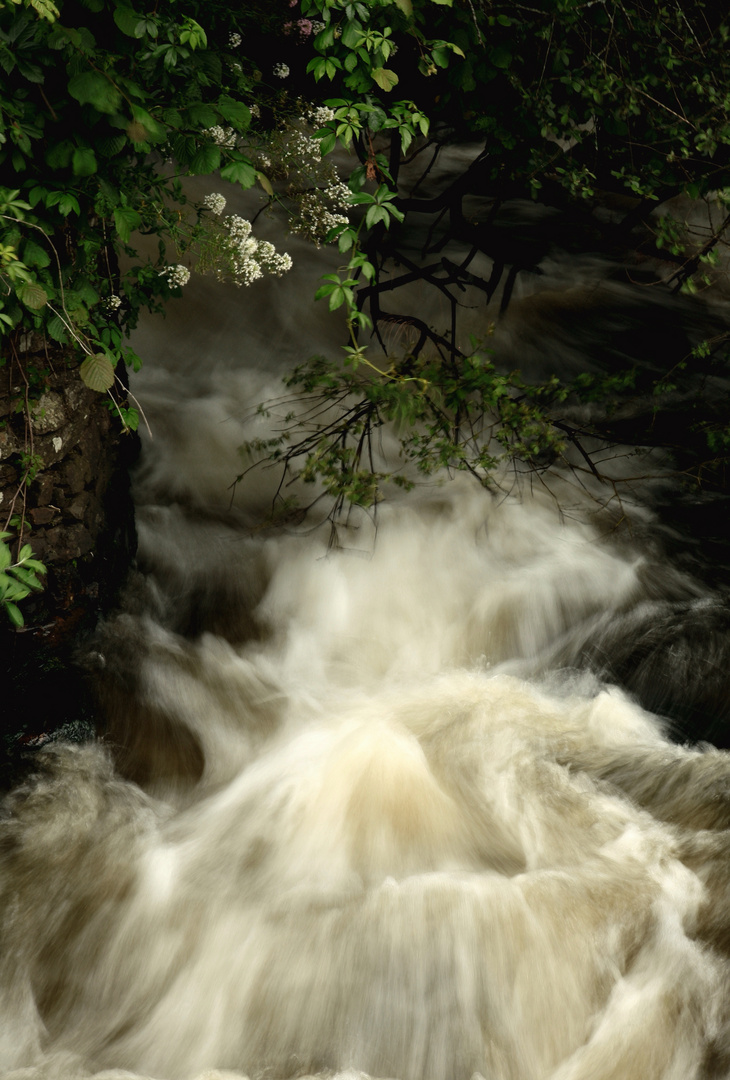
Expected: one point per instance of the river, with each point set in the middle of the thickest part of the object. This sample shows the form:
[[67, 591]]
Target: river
[[395, 807]]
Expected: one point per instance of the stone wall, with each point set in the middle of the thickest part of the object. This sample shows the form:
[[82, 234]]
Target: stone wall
[[78, 517]]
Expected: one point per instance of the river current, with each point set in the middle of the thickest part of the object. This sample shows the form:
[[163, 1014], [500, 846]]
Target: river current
[[429, 804]]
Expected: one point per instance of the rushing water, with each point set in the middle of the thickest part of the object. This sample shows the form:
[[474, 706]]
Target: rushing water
[[379, 809]]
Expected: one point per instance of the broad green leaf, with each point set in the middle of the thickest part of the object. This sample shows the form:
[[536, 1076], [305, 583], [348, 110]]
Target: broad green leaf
[[125, 220], [206, 160], [406, 7], [155, 132], [5, 556], [126, 19], [93, 88], [240, 172], [58, 155], [97, 372], [235, 112], [56, 328], [385, 78], [35, 255], [83, 161], [32, 295]]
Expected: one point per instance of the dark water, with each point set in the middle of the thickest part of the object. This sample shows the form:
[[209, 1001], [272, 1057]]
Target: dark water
[[419, 807]]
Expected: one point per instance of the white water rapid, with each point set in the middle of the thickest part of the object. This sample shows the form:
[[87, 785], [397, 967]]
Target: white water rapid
[[358, 812]]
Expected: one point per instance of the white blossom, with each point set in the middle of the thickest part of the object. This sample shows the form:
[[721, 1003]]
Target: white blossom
[[281, 71], [234, 254], [234, 40], [321, 115], [222, 136], [113, 302], [176, 276], [215, 202]]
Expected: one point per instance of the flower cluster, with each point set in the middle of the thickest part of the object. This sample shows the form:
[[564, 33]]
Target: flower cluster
[[232, 253], [281, 71], [234, 40], [319, 211], [318, 199], [215, 202], [176, 276], [222, 136], [113, 302]]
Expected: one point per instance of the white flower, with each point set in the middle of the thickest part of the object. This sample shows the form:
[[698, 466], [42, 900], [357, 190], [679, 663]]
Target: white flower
[[317, 26], [234, 40], [221, 136], [113, 302], [255, 111], [176, 276], [281, 71], [215, 202], [321, 115]]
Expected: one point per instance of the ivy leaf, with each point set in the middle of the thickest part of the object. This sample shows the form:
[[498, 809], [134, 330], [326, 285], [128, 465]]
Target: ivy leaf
[[32, 295], [83, 161], [97, 372], [93, 88], [126, 219], [385, 78]]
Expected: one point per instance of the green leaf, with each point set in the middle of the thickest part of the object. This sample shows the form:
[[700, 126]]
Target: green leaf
[[327, 144], [83, 161], [240, 172], [93, 88], [385, 78], [35, 255], [265, 183], [59, 156], [97, 372], [125, 220], [56, 328], [13, 613], [205, 160], [235, 112], [127, 20], [33, 295], [406, 7]]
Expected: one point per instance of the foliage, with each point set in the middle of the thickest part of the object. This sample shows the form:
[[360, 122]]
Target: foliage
[[17, 578], [566, 103]]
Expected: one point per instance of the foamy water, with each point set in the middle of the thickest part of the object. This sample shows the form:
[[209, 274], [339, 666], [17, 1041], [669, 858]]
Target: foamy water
[[357, 810]]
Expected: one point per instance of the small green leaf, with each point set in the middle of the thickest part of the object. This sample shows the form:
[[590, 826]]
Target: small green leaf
[[265, 183], [97, 372]]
